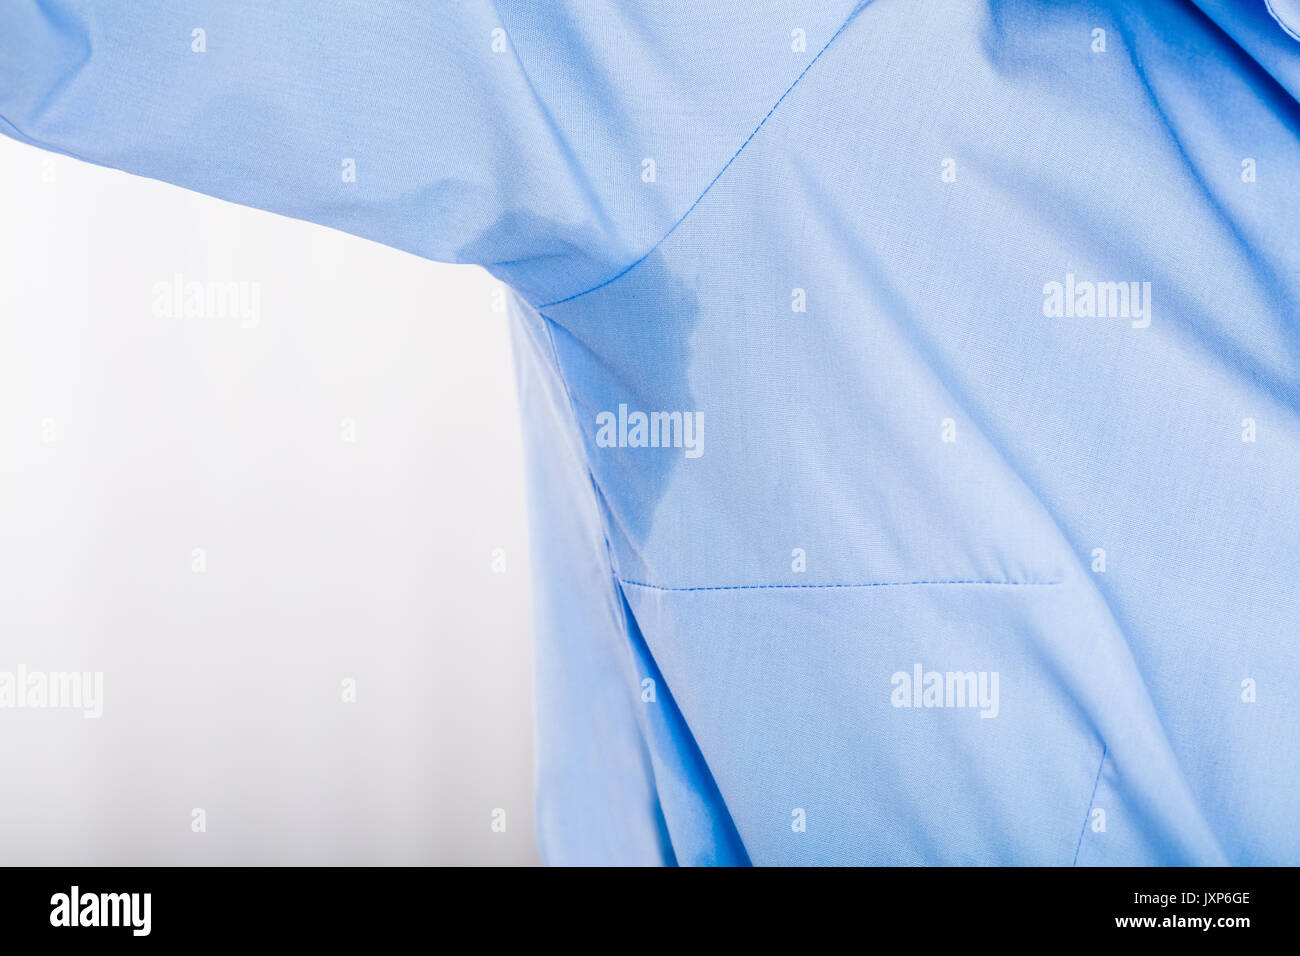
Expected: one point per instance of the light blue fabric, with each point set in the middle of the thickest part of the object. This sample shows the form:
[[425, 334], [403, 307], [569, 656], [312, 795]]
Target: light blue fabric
[[984, 317]]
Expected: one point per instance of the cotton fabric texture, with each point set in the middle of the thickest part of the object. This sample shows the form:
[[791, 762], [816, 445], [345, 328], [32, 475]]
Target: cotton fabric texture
[[983, 549]]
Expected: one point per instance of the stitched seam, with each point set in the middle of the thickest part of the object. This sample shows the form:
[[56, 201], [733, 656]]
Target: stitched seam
[[1091, 797], [1280, 22], [577, 295], [871, 584]]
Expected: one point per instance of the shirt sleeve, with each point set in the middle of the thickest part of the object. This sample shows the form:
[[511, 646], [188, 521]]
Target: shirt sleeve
[[399, 122], [556, 144]]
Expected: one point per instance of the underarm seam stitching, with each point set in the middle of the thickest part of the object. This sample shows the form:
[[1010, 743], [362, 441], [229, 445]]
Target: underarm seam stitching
[[712, 182]]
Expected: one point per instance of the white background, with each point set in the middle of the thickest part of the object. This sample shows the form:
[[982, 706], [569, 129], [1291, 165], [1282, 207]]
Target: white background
[[326, 559]]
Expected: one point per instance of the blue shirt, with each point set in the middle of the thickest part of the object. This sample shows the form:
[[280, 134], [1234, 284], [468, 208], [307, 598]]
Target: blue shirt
[[910, 390]]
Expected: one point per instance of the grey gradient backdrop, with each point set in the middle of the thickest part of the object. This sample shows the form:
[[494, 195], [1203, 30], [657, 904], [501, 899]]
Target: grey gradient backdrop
[[327, 560]]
